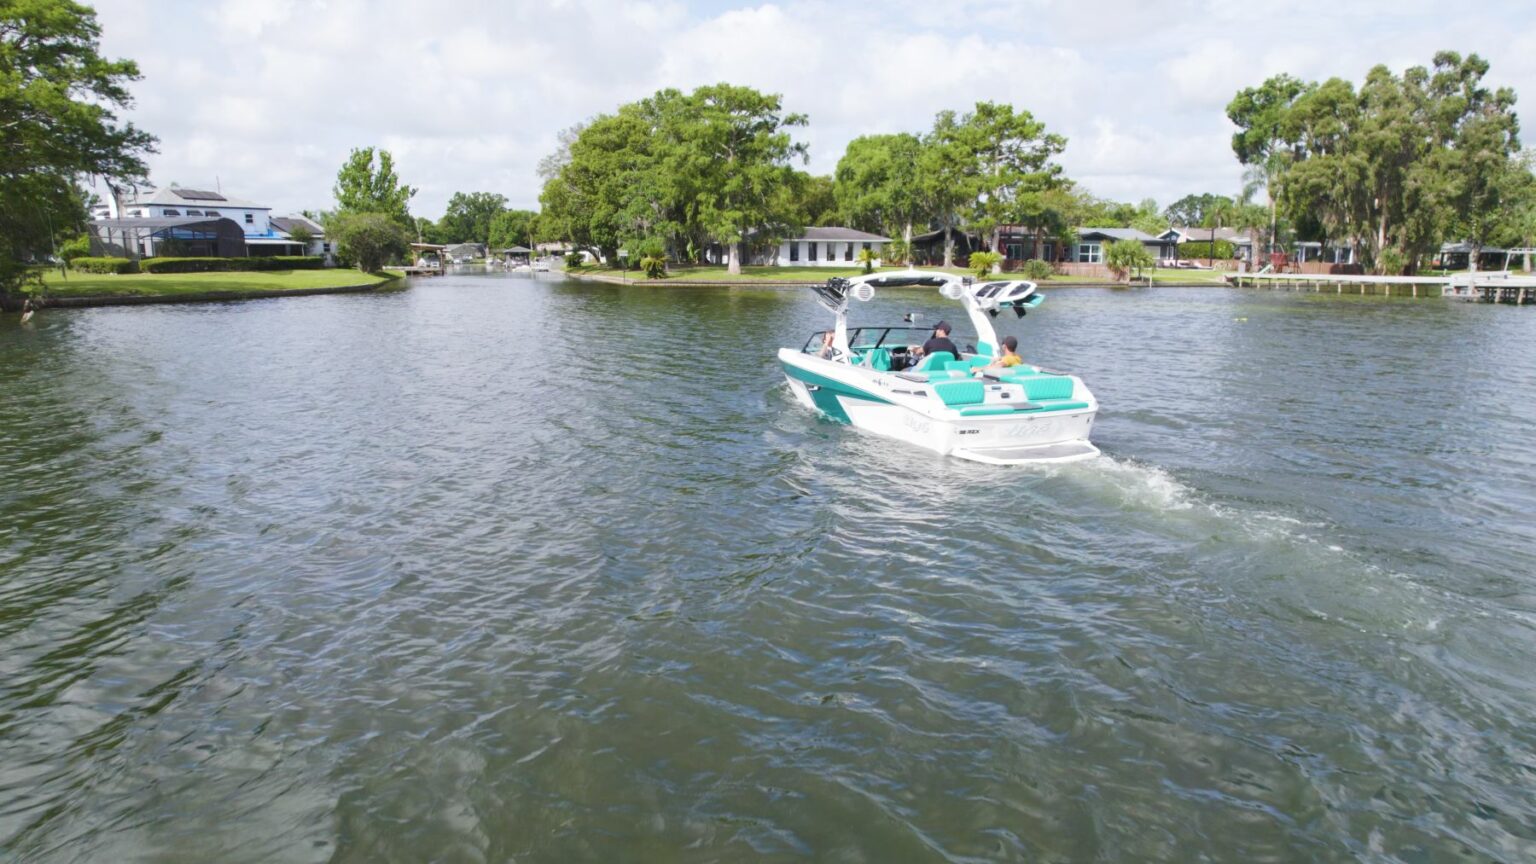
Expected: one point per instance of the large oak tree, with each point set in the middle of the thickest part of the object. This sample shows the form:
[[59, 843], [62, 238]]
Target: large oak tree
[[59, 100]]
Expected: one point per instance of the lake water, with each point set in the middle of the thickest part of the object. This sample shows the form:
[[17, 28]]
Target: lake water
[[497, 569]]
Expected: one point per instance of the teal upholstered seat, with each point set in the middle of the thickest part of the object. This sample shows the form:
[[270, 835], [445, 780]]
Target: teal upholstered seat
[[1042, 387], [956, 393], [1056, 405], [936, 360], [986, 349], [946, 375], [961, 365], [878, 359]]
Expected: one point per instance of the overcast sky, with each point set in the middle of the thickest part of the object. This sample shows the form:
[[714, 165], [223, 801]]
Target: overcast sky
[[267, 97]]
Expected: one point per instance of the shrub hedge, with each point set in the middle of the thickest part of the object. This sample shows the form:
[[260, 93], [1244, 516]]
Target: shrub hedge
[[222, 265], [1037, 270], [87, 264], [197, 265], [1202, 249]]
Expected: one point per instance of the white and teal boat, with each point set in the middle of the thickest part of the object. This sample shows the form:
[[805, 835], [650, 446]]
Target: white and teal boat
[[1002, 416]]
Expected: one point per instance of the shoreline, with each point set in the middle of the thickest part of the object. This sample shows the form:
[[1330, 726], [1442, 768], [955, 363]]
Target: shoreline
[[213, 295], [775, 283]]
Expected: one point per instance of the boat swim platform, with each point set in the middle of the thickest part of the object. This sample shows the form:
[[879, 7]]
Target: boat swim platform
[[1487, 287]]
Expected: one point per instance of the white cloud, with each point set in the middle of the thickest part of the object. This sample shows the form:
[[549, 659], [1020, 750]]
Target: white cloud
[[269, 97]]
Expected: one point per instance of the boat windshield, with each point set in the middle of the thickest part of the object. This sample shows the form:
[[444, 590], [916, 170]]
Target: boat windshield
[[865, 338]]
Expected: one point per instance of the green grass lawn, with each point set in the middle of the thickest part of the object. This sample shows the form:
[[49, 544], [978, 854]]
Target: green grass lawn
[[171, 284]]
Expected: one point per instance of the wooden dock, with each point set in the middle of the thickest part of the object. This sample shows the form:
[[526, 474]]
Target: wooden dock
[[1494, 287]]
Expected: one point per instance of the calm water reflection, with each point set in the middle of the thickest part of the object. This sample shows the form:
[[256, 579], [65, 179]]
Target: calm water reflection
[[501, 569]]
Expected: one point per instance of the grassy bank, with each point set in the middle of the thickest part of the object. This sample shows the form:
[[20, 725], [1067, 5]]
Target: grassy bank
[[749, 275], [190, 284]]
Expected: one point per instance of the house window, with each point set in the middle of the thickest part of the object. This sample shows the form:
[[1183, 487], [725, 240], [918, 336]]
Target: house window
[[326, 248], [810, 251], [848, 253], [1013, 250], [1090, 253], [250, 219], [868, 248], [794, 250]]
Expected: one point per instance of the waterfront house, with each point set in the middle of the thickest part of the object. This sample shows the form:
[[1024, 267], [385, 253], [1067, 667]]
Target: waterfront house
[[181, 221], [1458, 256], [1244, 243], [284, 226], [1092, 243], [829, 246], [1315, 251]]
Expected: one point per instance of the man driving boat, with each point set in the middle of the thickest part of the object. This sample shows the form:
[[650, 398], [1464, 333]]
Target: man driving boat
[[938, 342]]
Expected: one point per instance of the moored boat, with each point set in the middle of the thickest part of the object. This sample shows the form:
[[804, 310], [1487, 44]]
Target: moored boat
[[871, 377]]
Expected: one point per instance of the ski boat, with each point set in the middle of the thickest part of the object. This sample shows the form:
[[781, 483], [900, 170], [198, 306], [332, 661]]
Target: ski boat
[[865, 377]]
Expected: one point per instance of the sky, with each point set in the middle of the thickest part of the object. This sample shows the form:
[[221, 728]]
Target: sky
[[265, 98]]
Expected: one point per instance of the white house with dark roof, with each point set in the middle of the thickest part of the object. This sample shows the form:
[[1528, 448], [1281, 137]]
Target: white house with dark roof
[[1092, 243], [829, 246], [174, 201], [318, 244], [264, 233]]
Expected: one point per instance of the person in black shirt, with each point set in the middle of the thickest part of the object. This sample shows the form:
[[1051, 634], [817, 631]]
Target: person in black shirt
[[940, 341]]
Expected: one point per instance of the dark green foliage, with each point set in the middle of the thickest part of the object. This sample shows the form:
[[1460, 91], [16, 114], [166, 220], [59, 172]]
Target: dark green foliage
[[982, 263], [226, 265], [1223, 249], [1037, 270], [79, 247], [1195, 210], [369, 240], [1400, 164], [654, 266], [575, 259], [698, 168], [876, 185], [104, 265], [1124, 256], [363, 188], [470, 217], [58, 121], [514, 228], [302, 236]]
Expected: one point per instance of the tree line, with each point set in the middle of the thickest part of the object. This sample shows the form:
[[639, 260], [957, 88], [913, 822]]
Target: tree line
[[59, 124], [1396, 166]]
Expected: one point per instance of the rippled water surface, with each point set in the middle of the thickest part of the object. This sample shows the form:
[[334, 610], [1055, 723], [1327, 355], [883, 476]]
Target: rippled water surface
[[497, 569]]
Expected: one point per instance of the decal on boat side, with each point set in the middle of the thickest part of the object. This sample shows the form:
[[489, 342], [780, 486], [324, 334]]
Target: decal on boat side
[[916, 424]]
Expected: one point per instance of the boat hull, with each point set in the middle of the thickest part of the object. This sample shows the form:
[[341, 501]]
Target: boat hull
[[891, 407]]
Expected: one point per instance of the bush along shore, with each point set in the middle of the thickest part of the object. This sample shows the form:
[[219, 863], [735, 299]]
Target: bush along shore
[[774, 276], [102, 282]]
